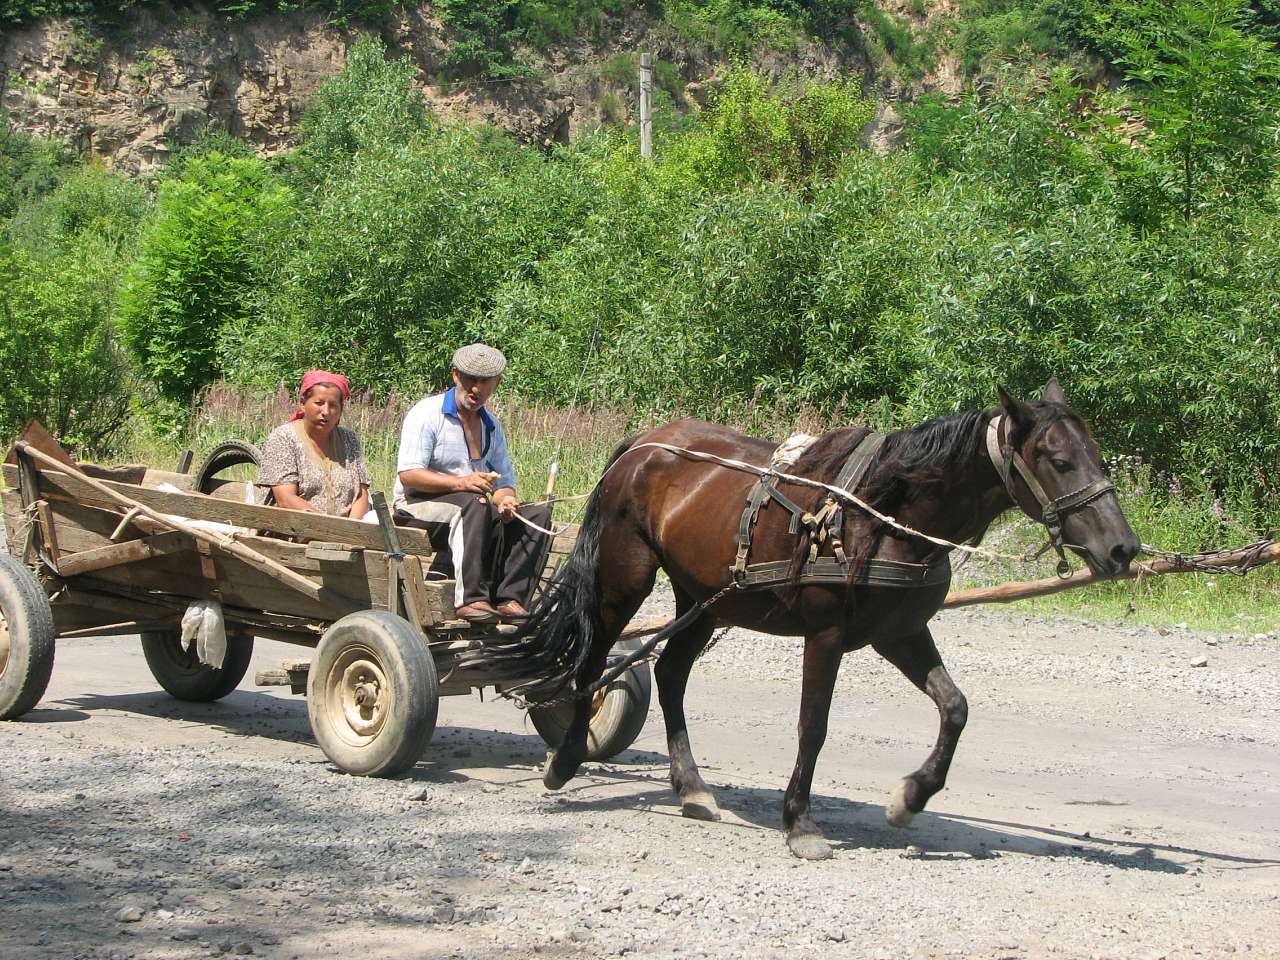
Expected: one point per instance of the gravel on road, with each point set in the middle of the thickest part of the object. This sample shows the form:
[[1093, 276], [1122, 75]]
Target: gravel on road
[[1109, 798]]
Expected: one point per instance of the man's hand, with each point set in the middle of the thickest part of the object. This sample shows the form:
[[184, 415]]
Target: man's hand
[[478, 482], [507, 504]]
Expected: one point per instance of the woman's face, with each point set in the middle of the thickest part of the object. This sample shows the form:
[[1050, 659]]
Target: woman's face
[[322, 408]]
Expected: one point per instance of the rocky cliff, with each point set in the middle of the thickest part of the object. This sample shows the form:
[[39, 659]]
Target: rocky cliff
[[133, 94]]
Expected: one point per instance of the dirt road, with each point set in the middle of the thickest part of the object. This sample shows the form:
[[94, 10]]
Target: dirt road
[[1109, 799]]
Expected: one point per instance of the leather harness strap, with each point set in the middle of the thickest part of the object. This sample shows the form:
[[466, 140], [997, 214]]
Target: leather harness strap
[[826, 525]]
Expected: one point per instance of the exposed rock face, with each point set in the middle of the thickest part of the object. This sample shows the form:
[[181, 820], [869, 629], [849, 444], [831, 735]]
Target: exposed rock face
[[132, 95]]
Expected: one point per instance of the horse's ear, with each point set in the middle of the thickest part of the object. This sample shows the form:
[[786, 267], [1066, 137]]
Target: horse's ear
[[1018, 411], [1053, 392]]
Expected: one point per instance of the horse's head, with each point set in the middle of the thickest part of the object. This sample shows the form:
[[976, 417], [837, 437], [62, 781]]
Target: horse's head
[[1053, 471]]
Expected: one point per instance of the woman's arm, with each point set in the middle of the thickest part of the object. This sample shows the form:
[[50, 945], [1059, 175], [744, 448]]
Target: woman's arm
[[286, 495], [360, 506]]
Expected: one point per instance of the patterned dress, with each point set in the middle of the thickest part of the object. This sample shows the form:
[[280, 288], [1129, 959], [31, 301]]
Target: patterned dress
[[329, 485]]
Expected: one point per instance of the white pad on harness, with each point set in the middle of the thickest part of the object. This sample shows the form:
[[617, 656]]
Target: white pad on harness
[[789, 450]]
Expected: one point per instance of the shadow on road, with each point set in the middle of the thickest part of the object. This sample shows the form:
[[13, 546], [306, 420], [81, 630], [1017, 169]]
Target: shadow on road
[[938, 835]]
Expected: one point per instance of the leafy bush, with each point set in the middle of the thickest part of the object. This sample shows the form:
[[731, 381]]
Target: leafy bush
[[29, 168], [372, 104], [60, 356], [200, 261], [18, 12], [87, 202], [752, 134]]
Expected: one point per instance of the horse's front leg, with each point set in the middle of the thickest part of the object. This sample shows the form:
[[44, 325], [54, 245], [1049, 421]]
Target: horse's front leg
[[918, 659], [822, 653], [672, 675]]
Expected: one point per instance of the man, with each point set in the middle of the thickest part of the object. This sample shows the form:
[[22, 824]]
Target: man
[[455, 480]]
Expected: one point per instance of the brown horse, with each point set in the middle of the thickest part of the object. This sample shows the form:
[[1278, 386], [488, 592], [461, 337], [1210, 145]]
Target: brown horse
[[655, 508]]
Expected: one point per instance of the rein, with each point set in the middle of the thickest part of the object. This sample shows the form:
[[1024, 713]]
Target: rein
[[1007, 461]]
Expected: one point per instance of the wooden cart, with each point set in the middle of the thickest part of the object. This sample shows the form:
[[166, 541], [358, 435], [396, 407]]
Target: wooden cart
[[91, 556]]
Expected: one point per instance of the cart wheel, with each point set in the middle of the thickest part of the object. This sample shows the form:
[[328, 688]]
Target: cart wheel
[[618, 713], [182, 674], [372, 694], [26, 639]]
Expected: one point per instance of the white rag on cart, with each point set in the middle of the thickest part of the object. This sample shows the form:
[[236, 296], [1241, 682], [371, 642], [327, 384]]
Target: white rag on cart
[[204, 623]]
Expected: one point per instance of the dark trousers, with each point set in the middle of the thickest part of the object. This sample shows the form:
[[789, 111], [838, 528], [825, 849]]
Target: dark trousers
[[489, 559]]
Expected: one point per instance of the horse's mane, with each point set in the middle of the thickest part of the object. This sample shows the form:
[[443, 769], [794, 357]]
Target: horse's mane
[[922, 455]]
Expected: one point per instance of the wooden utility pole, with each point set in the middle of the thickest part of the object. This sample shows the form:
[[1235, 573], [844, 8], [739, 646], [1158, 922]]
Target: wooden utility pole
[[646, 105]]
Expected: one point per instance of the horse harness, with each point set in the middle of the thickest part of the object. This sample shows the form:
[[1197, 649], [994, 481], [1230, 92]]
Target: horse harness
[[825, 526]]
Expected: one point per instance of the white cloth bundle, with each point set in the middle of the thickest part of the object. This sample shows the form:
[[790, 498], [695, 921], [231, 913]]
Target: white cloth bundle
[[204, 623]]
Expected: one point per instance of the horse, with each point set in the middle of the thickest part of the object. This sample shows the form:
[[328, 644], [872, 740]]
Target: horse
[[949, 478]]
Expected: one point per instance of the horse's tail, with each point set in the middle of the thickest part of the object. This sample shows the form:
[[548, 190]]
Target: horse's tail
[[552, 645]]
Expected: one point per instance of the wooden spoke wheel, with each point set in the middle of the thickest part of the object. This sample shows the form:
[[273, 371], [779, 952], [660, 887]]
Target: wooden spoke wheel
[[26, 639], [618, 713], [372, 694]]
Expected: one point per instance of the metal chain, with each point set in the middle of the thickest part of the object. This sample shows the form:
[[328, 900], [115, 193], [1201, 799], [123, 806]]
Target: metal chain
[[1246, 558]]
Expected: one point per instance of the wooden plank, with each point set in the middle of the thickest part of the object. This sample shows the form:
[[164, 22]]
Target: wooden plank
[[48, 531], [563, 544], [235, 491], [15, 524], [85, 528], [439, 599], [73, 519], [101, 603], [415, 594], [237, 583], [314, 526], [131, 550], [339, 552]]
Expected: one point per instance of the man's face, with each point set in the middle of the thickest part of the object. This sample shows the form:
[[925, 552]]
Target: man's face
[[473, 392]]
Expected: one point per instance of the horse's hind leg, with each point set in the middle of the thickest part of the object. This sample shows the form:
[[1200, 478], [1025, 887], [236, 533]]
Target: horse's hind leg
[[672, 675], [918, 659], [822, 654], [626, 578]]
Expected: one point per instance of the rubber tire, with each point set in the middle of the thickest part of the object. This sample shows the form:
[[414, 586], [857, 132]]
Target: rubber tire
[[229, 453], [401, 652], [181, 673], [29, 619], [615, 725]]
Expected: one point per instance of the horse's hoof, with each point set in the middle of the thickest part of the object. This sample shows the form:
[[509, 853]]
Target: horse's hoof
[[700, 806], [550, 779], [809, 846], [896, 810]]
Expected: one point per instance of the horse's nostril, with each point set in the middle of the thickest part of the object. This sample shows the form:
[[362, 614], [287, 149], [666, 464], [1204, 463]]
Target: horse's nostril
[[1122, 553]]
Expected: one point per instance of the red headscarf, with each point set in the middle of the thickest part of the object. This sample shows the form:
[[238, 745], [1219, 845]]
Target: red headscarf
[[314, 378]]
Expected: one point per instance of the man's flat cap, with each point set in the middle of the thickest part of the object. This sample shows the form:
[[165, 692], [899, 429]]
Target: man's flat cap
[[479, 360]]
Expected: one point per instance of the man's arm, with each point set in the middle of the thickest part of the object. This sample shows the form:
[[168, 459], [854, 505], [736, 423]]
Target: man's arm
[[432, 481], [504, 497]]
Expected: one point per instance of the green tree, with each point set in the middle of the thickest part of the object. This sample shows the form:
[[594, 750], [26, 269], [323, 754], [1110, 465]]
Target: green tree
[[371, 104], [1209, 94], [201, 259], [61, 359], [799, 131]]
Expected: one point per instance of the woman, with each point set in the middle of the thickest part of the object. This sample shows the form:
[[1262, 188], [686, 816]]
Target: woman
[[311, 463]]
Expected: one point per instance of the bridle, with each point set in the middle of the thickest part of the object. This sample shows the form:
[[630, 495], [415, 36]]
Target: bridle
[[1007, 461]]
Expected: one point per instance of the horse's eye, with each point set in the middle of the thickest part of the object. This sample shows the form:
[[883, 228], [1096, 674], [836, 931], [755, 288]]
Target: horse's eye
[[1062, 466]]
